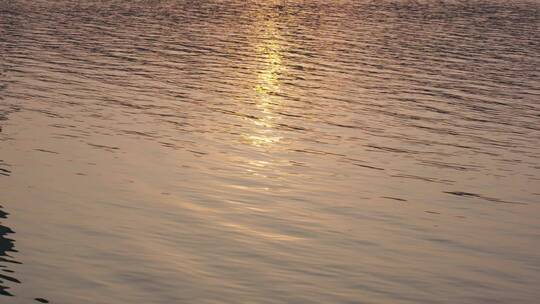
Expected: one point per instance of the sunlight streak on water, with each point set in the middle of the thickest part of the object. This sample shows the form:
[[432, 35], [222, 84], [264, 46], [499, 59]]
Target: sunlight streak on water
[[267, 88]]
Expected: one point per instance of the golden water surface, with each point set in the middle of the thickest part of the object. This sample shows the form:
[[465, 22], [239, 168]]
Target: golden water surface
[[251, 151]]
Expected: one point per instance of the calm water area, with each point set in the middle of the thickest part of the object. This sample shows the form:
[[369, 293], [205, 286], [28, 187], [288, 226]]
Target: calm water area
[[251, 151]]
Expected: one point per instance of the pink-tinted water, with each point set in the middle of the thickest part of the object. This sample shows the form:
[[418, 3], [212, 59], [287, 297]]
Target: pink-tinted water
[[269, 151]]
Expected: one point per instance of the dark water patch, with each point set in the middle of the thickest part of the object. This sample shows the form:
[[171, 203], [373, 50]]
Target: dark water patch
[[7, 249], [369, 167], [422, 178], [394, 198], [4, 171], [104, 147], [487, 198], [46, 151]]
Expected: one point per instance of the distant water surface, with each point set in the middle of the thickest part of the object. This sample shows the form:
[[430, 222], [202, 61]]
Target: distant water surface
[[251, 151]]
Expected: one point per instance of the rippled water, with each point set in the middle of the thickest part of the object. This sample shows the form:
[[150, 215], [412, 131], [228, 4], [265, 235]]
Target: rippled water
[[270, 151]]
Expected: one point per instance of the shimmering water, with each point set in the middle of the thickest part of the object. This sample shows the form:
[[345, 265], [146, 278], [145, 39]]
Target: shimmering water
[[251, 151]]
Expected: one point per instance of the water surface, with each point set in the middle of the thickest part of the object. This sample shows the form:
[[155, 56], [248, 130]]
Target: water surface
[[270, 151]]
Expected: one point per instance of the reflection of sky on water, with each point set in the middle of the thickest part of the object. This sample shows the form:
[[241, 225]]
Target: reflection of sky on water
[[270, 151]]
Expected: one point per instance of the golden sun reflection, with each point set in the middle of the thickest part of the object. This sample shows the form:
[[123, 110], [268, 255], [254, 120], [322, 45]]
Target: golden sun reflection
[[267, 89]]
